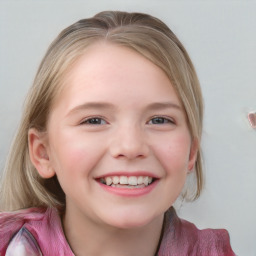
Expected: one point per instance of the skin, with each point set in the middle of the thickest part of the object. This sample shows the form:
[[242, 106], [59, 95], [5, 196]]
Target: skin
[[118, 112]]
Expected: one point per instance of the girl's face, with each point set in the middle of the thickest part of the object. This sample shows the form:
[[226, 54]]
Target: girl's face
[[118, 121]]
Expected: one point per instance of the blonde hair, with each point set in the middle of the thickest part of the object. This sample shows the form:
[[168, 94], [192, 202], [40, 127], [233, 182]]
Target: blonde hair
[[22, 186]]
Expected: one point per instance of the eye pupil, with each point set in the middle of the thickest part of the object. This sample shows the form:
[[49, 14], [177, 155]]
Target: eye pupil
[[94, 121], [158, 120]]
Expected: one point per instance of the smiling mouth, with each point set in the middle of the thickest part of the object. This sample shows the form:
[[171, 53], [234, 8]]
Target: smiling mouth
[[127, 181]]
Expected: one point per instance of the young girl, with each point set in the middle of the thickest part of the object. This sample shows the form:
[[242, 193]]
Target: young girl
[[110, 131]]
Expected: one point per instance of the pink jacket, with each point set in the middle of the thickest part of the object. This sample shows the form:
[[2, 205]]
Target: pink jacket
[[38, 231]]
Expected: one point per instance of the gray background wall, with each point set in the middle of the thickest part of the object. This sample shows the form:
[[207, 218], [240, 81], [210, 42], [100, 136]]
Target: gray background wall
[[221, 39]]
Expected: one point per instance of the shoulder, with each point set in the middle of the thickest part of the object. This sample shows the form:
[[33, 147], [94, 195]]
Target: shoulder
[[32, 227], [208, 241], [185, 238]]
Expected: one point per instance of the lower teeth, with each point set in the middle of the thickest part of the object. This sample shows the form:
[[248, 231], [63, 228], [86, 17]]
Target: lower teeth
[[127, 186]]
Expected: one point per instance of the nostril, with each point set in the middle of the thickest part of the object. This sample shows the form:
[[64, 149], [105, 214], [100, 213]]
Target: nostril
[[130, 155], [129, 152]]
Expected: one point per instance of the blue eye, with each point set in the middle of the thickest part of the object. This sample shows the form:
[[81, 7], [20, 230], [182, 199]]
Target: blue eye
[[161, 120], [94, 121]]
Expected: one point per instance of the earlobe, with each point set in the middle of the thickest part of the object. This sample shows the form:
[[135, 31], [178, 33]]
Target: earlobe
[[193, 154], [38, 153]]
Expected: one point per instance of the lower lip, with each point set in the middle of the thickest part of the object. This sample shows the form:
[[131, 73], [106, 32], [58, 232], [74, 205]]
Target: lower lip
[[130, 192]]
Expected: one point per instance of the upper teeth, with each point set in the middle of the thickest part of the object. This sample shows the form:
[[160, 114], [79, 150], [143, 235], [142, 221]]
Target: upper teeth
[[125, 180]]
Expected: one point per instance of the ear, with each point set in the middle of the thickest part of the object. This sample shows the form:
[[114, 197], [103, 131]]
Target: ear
[[38, 153], [193, 154]]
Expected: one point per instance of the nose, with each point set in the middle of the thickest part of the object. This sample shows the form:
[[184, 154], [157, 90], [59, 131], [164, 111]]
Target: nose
[[129, 142]]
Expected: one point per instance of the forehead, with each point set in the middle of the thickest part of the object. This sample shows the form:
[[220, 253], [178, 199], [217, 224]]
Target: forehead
[[106, 68]]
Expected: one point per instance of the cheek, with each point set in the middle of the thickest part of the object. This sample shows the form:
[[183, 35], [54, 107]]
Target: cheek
[[73, 155], [174, 153]]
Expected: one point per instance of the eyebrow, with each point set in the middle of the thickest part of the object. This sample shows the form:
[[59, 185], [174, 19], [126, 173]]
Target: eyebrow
[[103, 105], [91, 105], [163, 105]]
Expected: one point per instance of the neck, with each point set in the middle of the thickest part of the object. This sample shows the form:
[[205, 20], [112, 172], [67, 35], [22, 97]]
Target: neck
[[90, 238]]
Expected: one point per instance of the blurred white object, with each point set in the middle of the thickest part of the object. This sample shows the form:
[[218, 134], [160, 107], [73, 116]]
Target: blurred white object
[[23, 244]]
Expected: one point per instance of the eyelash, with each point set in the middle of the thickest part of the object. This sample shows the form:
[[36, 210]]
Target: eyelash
[[96, 118], [98, 121], [166, 120]]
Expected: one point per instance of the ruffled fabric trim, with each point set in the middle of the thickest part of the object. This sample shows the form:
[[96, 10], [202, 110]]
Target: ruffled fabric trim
[[39, 230]]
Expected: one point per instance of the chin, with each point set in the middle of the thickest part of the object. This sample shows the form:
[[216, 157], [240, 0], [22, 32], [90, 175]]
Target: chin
[[131, 219], [130, 224]]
